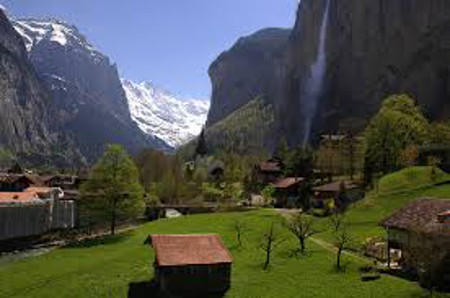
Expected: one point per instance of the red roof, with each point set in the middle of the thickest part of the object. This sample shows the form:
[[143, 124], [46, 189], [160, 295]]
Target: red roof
[[182, 250], [288, 182], [18, 197], [43, 190]]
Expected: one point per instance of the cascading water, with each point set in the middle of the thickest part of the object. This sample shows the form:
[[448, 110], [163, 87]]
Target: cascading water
[[315, 81]]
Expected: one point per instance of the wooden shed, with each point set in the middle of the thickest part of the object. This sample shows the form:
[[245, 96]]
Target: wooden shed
[[287, 192], [191, 264], [332, 191], [420, 231]]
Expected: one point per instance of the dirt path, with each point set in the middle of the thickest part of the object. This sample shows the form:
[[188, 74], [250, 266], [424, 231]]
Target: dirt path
[[322, 243]]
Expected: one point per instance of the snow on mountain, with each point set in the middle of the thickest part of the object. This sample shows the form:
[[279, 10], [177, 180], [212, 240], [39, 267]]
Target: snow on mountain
[[164, 115], [36, 30]]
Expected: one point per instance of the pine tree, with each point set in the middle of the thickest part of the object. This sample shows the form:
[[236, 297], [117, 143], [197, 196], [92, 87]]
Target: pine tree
[[201, 149]]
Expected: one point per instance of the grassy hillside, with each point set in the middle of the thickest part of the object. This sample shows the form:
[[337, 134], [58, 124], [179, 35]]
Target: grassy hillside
[[120, 264], [394, 191], [244, 130], [411, 179]]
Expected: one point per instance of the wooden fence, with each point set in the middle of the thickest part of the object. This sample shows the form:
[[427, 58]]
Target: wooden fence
[[22, 220]]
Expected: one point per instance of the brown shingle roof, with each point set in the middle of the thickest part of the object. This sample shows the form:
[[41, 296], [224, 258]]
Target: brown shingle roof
[[288, 182], [421, 215], [268, 166], [182, 250], [335, 186]]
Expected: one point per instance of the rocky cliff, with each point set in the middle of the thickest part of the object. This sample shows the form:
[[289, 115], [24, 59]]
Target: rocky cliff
[[374, 48], [25, 119], [87, 94], [246, 71], [371, 49]]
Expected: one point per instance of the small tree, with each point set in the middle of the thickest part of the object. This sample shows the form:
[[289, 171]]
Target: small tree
[[302, 228], [408, 156], [114, 189], [335, 222], [343, 239], [240, 228], [433, 162], [270, 241], [268, 193], [341, 236]]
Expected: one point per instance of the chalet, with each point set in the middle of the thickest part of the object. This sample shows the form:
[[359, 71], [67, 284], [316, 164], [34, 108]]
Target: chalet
[[63, 181], [287, 192], [191, 264], [332, 191], [14, 182], [421, 233], [269, 171]]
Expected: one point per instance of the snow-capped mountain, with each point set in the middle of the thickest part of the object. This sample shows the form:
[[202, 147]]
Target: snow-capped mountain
[[36, 30], [85, 88], [159, 113]]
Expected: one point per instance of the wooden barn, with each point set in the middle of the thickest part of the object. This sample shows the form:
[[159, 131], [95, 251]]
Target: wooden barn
[[269, 171], [14, 183], [420, 234], [287, 192], [191, 264], [332, 191]]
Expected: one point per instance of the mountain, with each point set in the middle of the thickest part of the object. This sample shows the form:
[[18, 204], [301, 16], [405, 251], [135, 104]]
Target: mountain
[[246, 71], [372, 49], [86, 91], [337, 64], [26, 126], [159, 113]]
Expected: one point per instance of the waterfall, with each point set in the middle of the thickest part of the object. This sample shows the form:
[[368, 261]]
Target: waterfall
[[315, 81]]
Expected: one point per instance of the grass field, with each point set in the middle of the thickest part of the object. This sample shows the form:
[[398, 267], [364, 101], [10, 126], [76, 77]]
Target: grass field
[[111, 268], [394, 191], [114, 266]]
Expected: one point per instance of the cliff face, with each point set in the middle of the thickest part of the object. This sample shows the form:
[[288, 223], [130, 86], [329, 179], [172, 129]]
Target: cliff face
[[246, 71], [25, 120], [86, 90], [374, 48], [371, 49]]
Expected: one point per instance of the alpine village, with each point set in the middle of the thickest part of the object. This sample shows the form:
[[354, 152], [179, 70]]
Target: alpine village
[[319, 166]]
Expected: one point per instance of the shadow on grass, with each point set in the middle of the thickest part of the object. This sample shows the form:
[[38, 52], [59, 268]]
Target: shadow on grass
[[151, 289], [145, 289], [103, 240]]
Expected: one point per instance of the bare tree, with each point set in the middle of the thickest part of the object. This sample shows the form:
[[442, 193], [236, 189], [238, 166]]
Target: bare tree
[[336, 221], [270, 241], [301, 226], [240, 228], [341, 236], [343, 239]]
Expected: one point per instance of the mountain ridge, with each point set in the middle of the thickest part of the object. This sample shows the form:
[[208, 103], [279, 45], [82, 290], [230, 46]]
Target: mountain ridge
[[163, 114], [85, 88]]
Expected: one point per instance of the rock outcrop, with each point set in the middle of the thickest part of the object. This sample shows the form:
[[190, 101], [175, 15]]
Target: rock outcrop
[[246, 71], [87, 94], [25, 119], [374, 48]]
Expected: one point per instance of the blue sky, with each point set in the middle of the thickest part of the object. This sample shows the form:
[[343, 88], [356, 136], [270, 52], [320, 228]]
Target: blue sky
[[168, 42]]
